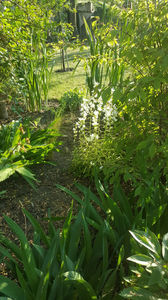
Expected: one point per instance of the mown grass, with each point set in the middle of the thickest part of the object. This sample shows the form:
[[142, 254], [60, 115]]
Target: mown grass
[[64, 81]]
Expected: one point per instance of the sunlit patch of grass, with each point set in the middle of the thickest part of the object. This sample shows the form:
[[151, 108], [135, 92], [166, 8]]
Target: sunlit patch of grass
[[62, 82]]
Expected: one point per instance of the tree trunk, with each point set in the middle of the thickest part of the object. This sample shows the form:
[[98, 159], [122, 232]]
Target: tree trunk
[[63, 60]]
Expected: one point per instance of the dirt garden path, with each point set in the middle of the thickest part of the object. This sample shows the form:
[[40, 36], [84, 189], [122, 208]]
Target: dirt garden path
[[19, 194]]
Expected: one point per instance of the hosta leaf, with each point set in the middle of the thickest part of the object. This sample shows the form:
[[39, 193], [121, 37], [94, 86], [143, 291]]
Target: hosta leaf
[[10, 289], [141, 259]]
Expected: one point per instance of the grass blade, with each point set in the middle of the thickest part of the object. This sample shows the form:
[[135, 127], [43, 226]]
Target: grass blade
[[37, 227]]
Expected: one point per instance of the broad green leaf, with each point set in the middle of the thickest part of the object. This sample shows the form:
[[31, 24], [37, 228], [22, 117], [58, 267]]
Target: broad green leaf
[[6, 172], [156, 277], [141, 259], [149, 241]]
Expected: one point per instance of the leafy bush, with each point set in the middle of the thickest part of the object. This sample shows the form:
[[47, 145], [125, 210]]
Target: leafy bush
[[70, 101], [84, 260], [150, 276], [22, 145], [134, 150]]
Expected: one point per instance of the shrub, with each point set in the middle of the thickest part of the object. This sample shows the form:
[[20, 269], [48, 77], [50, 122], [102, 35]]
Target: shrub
[[149, 279], [22, 145], [70, 101]]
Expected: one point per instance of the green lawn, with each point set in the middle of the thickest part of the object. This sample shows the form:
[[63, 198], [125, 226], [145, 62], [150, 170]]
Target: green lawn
[[64, 81]]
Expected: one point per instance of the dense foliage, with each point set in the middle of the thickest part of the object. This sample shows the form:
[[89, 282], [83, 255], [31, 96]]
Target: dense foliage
[[22, 145], [120, 140], [25, 54]]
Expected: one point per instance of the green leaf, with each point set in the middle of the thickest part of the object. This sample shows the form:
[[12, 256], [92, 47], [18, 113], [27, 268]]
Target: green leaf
[[26, 252], [120, 256], [37, 227], [165, 247], [17, 137], [6, 253], [25, 172], [105, 253], [75, 236], [141, 259], [10, 245], [10, 289], [156, 277], [88, 239], [23, 284], [76, 277], [17, 230], [148, 240], [73, 195], [6, 172]]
